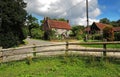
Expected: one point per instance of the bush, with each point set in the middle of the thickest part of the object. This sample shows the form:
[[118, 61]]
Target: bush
[[37, 33], [50, 35], [117, 36], [97, 37], [79, 37], [25, 32], [108, 33], [8, 40], [29, 60]]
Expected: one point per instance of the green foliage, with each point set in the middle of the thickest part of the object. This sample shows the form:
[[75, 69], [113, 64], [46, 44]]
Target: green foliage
[[60, 19], [8, 40], [79, 37], [71, 66], [32, 22], [117, 36], [37, 33], [108, 33], [31, 19], [115, 23], [52, 35], [105, 21], [25, 32], [97, 37], [113, 46], [29, 60], [77, 32], [13, 16]]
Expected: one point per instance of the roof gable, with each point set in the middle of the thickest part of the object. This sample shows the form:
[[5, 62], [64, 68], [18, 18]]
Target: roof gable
[[58, 24], [101, 26]]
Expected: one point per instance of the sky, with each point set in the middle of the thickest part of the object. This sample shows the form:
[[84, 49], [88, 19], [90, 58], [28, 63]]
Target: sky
[[74, 10]]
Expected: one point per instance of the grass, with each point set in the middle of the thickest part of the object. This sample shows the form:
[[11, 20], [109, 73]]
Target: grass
[[113, 46], [71, 66]]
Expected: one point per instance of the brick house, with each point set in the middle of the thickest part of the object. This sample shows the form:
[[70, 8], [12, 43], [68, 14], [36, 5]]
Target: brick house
[[60, 27]]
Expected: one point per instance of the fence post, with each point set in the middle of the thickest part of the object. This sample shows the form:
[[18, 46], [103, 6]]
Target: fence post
[[67, 44], [34, 50], [104, 52], [1, 56]]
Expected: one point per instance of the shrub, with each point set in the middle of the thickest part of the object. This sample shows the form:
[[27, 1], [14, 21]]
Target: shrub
[[117, 36], [79, 37], [37, 33], [25, 32], [97, 37], [50, 35], [29, 60], [108, 33], [8, 40]]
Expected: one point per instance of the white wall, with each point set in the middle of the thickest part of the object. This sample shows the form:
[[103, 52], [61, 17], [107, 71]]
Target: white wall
[[62, 31]]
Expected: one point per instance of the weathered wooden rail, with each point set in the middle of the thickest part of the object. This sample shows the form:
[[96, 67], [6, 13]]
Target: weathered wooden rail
[[35, 49]]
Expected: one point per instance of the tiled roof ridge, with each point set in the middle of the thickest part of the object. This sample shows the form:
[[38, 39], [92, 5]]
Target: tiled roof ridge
[[59, 24], [100, 25]]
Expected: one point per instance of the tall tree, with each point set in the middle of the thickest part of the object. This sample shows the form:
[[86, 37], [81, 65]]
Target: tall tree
[[115, 23], [12, 16], [118, 22], [77, 30], [105, 21], [32, 22]]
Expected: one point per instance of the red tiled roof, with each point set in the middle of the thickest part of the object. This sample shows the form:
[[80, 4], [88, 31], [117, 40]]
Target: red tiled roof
[[59, 24], [101, 26], [116, 29]]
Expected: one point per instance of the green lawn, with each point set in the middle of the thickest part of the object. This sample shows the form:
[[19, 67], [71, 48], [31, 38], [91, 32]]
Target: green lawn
[[113, 46], [72, 66]]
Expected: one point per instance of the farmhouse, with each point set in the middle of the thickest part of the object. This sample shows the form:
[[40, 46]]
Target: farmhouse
[[59, 27], [97, 28]]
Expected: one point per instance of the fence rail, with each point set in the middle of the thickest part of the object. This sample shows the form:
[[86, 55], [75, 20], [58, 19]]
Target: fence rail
[[37, 49]]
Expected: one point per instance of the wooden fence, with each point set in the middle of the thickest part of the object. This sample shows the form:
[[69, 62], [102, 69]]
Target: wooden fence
[[35, 49]]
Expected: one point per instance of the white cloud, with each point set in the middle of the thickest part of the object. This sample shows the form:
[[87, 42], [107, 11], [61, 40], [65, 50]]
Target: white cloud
[[74, 10]]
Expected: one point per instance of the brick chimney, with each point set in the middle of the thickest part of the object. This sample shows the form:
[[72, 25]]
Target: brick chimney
[[67, 21]]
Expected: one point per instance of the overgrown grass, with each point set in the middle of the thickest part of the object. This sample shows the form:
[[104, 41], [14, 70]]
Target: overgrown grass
[[71, 66]]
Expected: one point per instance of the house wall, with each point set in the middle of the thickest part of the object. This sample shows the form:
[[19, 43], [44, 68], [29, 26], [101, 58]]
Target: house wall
[[62, 32]]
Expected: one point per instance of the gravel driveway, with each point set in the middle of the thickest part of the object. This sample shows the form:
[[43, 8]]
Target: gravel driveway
[[41, 42], [37, 42]]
